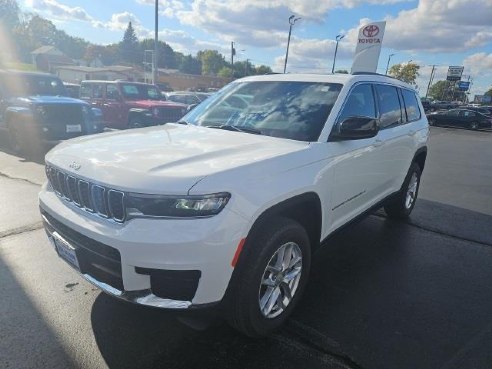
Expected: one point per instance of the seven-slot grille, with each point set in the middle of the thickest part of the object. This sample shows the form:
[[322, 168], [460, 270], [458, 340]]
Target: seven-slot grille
[[105, 202], [169, 114]]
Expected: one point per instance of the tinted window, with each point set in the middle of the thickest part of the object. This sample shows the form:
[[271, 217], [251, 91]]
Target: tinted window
[[359, 103], [140, 92], [389, 105], [453, 113], [294, 110], [411, 105], [112, 92], [98, 91], [86, 91]]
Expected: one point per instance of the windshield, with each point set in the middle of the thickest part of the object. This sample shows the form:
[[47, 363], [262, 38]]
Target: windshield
[[140, 92], [294, 110], [26, 85]]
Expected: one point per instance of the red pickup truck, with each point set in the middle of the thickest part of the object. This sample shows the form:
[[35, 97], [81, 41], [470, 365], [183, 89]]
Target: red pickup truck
[[130, 104]]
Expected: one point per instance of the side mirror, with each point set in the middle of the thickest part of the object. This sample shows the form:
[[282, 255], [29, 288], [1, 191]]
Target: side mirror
[[355, 128]]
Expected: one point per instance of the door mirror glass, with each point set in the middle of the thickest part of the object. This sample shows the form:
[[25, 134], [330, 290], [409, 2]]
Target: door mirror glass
[[355, 128]]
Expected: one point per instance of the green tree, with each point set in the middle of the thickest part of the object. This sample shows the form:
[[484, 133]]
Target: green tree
[[225, 72], [342, 71], [212, 61], [405, 72], [129, 47], [166, 56], [188, 64], [446, 91], [489, 92], [9, 14], [263, 69]]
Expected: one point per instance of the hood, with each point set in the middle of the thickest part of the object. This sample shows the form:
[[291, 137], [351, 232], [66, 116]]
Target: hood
[[155, 103], [167, 159], [37, 99]]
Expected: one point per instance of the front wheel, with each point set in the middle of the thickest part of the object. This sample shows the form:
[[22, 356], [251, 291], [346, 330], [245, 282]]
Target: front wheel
[[401, 205], [270, 278]]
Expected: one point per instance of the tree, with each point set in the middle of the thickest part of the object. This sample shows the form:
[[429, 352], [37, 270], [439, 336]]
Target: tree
[[212, 61], [225, 72], [489, 92], [263, 69], [9, 15], [188, 64], [446, 91], [342, 71], [129, 49], [405, 72]]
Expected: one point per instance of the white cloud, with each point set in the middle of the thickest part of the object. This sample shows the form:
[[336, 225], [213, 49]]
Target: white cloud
[[59, 10], [167, 8]]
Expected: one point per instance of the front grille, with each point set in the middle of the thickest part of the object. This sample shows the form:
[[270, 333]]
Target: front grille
[[169, 115], [96, 259], [105, 202], [62, 113]]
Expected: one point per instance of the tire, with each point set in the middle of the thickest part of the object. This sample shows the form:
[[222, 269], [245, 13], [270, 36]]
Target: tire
[[432, 122], [474, 126], [402, 204], [260, 277], [135, 122], [14, 139]]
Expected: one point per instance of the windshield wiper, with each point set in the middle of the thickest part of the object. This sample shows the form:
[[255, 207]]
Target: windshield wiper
[[236, 129]]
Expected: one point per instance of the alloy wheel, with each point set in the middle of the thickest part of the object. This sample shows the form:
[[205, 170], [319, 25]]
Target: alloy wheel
[[280, 280], [411, 191]]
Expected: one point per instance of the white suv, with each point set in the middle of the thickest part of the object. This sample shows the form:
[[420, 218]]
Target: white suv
[[229, 204]]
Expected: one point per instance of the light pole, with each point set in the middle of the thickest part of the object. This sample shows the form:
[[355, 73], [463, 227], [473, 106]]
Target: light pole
[[156, 43], [338, 38], [388, 64], [292, 21]]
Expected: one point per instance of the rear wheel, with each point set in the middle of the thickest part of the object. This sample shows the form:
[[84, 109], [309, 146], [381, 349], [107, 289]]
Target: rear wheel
[[270, 278], [401, 205], [474, 125]]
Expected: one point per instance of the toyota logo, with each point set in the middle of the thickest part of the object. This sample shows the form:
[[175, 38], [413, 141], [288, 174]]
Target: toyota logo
[[370, 30]]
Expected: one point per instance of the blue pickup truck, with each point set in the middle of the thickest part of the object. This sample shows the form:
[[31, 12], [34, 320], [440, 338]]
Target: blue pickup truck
[[36, 112]]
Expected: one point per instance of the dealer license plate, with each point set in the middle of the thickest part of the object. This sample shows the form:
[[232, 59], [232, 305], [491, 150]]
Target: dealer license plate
[[66, 251], [72, 128]]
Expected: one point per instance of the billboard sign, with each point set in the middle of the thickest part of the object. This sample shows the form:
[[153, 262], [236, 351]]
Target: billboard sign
[[463, 85], [368, 47], [454, 73]]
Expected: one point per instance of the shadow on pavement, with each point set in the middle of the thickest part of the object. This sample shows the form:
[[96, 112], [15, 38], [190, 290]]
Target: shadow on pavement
[[5, 147], [131, 336], [393, 295], [26, 341]]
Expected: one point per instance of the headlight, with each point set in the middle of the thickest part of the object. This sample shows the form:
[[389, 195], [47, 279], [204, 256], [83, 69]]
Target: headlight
[[176, 206]]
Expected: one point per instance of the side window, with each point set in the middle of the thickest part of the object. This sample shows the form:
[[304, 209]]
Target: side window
[[86, 91], [411, 105], [467, 114], [112, 92], [389, 106], [453, 113], [98, 91], [360, 102]]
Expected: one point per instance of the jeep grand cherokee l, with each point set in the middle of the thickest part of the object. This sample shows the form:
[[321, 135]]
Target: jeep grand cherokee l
[[229, 205], [35, 112]]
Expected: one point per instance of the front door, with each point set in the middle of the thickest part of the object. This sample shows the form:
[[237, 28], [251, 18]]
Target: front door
[[115, 108], [356, 178]]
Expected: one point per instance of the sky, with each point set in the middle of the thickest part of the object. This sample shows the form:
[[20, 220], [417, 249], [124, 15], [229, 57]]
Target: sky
[[426, 32]]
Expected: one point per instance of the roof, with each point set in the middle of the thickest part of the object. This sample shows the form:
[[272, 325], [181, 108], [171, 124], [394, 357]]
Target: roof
[[114, 68], [329, 78], [45, 49]]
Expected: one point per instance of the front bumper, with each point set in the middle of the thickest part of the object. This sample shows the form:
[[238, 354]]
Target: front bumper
[[126, 260]]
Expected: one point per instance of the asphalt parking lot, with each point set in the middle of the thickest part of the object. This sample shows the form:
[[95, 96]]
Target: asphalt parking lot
[[383, 294]]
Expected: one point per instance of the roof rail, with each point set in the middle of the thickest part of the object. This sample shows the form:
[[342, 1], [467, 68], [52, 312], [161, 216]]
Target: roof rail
[[373, 74]]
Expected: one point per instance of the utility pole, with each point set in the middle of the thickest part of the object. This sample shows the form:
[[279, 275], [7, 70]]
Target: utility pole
[[338, 38], [156, 43], [388, 64], [233, 52], [430, 80]]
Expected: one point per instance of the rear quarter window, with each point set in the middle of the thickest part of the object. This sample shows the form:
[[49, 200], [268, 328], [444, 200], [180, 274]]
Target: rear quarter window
[[412, 108]]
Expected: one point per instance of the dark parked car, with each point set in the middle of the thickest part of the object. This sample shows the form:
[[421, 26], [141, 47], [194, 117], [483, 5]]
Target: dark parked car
[[35, 111], [188, 98], [461, 118], [483, 110], [130, 104], [443, 105]]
